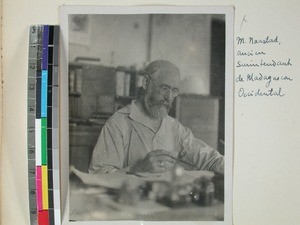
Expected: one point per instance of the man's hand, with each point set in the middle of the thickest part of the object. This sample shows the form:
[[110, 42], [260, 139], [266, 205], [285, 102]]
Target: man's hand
[[156, 161]]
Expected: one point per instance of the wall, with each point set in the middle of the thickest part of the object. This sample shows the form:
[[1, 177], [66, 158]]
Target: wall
[[124, 40], [185, 40], [118, 40]]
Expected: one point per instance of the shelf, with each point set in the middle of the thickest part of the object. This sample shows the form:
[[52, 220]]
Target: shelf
[[84, 61], [78, 65], [125, 98], [74, 94]]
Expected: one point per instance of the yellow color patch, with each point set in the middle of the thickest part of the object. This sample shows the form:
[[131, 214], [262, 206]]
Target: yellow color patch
[[45, 187]]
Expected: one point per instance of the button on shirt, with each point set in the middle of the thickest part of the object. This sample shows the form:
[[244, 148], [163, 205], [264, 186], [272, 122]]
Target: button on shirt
[[128, 136]]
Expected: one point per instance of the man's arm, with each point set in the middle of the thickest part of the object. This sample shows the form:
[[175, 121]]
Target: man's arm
[[108, 154], [197, 154]]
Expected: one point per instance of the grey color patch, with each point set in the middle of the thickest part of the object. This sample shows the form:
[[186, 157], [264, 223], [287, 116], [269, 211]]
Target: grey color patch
[[55, 54], [54, 97], [56, 35], [54, 118], [55, 75], [55, 184], [54, 139], [55, 162]]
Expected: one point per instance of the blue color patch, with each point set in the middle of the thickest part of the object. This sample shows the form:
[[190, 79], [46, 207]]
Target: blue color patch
[[44, 93]]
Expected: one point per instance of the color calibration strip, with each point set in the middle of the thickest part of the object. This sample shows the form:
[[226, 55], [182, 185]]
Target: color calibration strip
[[42, 124]]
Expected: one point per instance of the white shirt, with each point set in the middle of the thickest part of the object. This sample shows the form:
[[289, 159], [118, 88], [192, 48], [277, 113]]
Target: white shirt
[[128, 136]]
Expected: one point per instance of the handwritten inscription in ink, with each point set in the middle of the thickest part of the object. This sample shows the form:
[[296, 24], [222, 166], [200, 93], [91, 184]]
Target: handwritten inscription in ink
[[256, 41], [260, 73]]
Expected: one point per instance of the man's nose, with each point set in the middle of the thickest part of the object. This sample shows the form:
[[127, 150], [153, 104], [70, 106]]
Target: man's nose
[[169, 95]]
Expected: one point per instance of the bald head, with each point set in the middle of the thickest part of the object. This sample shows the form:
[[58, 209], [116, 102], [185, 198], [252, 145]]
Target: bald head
[[160, 67]]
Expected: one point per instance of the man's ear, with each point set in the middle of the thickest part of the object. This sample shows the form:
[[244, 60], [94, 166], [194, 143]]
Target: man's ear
[[146, 82]]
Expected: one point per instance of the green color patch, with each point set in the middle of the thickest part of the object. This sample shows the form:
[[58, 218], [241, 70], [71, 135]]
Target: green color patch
[[44, 141]]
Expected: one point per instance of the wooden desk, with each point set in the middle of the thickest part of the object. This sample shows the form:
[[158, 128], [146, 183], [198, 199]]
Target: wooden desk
[[82, 141], [95, 203]]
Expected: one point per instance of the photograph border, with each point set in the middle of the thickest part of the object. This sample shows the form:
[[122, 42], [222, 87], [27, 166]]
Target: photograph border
[[229, 96]]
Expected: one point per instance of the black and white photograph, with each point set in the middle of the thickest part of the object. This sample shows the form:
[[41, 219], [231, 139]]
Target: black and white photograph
[[150, 114]]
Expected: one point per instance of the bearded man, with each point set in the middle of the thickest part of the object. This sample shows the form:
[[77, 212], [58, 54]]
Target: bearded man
[[142, 137]]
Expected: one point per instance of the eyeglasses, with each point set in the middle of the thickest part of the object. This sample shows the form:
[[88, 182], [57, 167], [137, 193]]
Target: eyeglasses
[[165, 89]]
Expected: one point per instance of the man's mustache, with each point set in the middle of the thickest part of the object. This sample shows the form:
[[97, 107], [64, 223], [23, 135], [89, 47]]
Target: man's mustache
[[164, 103], [167, 104], [160, 102]]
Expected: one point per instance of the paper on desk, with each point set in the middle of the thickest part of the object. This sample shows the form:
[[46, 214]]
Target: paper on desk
[[117, 180], [114, 180], [186, 177]]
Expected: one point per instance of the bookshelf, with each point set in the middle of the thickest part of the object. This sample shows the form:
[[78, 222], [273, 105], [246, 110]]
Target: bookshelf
[[94, 95]]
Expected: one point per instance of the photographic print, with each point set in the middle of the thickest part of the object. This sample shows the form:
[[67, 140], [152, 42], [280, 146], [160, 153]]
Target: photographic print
[[147, 95], [79, 29]]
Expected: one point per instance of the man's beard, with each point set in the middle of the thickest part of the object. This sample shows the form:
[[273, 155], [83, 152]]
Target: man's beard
[[157, 108]]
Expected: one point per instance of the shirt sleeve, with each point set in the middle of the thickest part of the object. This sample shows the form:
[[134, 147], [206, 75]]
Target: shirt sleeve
[[108, 154], [197, 155]]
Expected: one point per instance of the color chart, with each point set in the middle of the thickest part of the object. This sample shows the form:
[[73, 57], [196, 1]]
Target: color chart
[[42, 125]]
